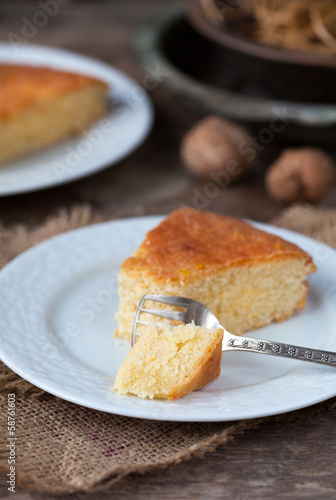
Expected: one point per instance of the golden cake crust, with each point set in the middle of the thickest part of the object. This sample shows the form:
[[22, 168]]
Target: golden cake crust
[[22, 86], [208, 371], [190, 242]]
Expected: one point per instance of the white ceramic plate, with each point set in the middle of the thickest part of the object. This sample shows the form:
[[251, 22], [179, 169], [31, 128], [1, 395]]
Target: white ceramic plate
[[103, 144], [57, 307]]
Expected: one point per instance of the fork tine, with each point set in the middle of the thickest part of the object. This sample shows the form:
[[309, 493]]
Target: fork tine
[[169, 299], [163, 313], [189, 304], [135, 333], [136, 319], [145, 323]]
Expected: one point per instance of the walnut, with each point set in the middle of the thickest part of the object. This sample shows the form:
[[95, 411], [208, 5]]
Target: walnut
[[300, 175], [214, 148]]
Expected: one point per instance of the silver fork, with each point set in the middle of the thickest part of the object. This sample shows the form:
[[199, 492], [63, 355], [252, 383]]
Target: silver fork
[[201, 315]]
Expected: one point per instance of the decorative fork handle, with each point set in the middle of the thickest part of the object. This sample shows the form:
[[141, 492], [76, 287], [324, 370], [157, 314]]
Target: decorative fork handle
[[232, 342]]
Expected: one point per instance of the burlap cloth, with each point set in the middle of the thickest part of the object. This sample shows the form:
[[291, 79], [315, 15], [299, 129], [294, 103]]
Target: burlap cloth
[[64, 448]]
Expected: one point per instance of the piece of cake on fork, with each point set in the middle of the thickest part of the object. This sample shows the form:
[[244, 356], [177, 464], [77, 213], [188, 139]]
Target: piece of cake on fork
[[41, 106], [247, 277], [170, 362]]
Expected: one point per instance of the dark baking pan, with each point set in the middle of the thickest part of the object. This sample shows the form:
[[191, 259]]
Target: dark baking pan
[[284, 74], [174, 54]]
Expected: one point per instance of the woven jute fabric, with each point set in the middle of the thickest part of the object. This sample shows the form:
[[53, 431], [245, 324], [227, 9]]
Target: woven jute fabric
[[64, 448]]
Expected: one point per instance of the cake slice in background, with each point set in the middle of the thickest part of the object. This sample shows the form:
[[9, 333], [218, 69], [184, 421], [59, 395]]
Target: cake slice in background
[[42, 106], [170, 362], [246, 277]]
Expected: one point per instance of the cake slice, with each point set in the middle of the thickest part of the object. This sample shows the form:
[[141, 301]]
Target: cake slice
[[41, 106], [170, 362], [247, 277]]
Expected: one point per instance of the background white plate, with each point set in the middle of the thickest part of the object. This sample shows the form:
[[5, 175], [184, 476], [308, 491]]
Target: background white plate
[[57, 307], [130, 120]]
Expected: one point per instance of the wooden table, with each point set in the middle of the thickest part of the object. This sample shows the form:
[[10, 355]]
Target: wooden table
[[291, 461]]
